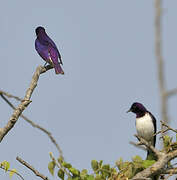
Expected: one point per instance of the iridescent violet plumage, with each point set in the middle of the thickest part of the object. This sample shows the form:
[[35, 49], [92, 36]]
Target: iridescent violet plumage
[[47, 49]]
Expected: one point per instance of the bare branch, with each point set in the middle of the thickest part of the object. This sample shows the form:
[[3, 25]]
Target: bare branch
[[152, 148], [160, 63], [172, 92], [10, 95], [142, 178], [161, 131], [138, 145], [25, 102], [168, 127], [36, 126], [37, 173], [170, 171]]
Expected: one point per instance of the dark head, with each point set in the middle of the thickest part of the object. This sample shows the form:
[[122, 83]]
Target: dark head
[[138, 109], [39, 30]]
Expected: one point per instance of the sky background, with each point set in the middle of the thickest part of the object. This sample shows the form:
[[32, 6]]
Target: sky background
[[108, 54]]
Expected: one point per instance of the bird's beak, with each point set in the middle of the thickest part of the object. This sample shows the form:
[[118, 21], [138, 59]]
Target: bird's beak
[[128, 111]]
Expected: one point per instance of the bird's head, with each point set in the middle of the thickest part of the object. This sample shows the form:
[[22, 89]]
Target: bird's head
[[39, 30], [138, 109]]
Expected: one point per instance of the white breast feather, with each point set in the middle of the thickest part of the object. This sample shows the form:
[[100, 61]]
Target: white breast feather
[[144, 127]]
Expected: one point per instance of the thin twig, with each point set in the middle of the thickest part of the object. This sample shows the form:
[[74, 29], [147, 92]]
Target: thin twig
[[35, 125], [37, 173], [11, 170], [149, 146], [142, 178], [10, 95], [161, 132], [137, 145], [168, 127], [165, 130], [172, 92], [170, 171]]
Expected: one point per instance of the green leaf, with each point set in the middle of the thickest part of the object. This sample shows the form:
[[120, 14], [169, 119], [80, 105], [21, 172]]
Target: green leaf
[[122, 165], [74, 171], [61, 174], [174, 145], [126, 168], [51, 167], [105, 174], [94, 165], [98, 177], [113, 171], [106, 167], [90, 177], [167, 140], [100, 163], [106, 171], [137, 159], [5, 165], [83, 173], [75, 178], [60, 159], [128, 172], [119, 163], [12, 171], [66, 165], [147, 163], [51, 155]]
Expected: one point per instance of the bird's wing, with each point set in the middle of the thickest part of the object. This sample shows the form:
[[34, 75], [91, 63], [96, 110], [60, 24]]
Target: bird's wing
[[55, 47], [42, 50], [155, 127], [53, 54]]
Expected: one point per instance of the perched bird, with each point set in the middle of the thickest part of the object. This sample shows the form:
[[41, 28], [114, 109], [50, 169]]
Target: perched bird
[[47, 49], [145, 125]]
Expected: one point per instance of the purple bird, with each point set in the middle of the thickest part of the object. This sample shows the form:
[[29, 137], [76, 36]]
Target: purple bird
[[47, 49]]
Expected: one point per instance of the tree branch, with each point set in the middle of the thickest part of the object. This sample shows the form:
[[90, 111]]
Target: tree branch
[[37, 173], [168, 127], [165, 130], [159, 166], [149, 146], [172, 92], [24, 103], [35, 125], [137, 145], [160, 63], [10, 95], [171, 171]]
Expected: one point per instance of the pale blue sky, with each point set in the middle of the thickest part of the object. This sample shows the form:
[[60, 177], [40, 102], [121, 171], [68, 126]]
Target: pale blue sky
[[108, 54]]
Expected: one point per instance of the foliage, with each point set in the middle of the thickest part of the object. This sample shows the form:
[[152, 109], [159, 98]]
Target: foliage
[[168, 144], [6, 165], [121, 171]]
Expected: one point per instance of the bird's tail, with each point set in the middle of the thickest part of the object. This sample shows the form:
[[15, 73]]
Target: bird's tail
[[151, 156], [58, 69]]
